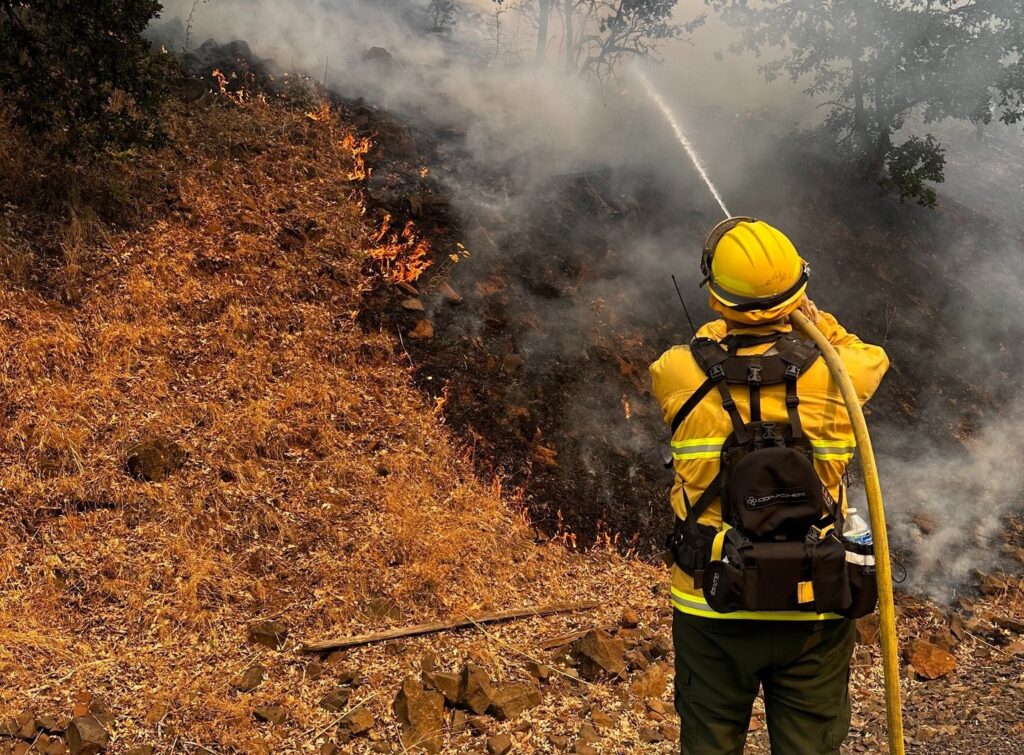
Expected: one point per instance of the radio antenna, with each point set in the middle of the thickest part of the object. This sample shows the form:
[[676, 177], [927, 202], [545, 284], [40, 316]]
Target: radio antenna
[[685, 310]]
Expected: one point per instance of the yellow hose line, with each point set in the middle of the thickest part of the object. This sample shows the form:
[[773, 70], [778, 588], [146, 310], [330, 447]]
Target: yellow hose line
[[886, 608]]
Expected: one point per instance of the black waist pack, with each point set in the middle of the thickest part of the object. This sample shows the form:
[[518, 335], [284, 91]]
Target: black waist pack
[[754, 575]]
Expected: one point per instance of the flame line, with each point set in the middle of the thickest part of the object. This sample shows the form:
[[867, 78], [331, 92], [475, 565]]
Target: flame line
[[681, 137]]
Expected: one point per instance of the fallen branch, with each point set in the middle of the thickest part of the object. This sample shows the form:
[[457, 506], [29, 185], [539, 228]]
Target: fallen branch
[[445, 626]]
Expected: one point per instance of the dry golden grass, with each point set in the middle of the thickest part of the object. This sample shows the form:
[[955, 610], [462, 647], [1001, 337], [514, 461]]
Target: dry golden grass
[[317, 477]]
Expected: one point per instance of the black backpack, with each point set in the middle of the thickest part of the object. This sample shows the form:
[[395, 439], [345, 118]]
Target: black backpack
[[778, 549]]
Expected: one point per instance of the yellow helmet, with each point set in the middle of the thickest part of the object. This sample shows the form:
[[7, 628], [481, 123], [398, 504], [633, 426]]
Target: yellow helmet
[[751, 266]]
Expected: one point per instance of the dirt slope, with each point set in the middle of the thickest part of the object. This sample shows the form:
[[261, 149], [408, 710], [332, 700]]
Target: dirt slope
[[215, 342]]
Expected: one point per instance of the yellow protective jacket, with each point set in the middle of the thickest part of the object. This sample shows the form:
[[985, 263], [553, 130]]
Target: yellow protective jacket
[[697, 444]]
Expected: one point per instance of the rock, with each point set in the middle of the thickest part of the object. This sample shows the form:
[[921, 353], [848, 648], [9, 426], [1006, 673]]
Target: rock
[[598, 654], [412, 305], [582, 748], [499, 745], [155, 460], [336, 700], [459, 722], [956, 626], [142, 750], [510, 700], [475, 689], [378, 56], [49, 724], [602, 720], [424, 329], [511, 364], [349, 677], [357, 722], [669, 731], [538, 671], [629, 618], [420, 713], [250, 679], [270, 714], [659, 647], [992, 584], [313, 670], [650, 735], [477, 725], [449, 294], [588, 733], [429, 661], [271, 634], [928, 660], [559, 741], [329, 748], [944, 638], [447, 684], [868, 629], [1009, 624], [86, 736], [649, 684]]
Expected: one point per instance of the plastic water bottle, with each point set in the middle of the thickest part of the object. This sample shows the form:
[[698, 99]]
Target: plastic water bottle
[[855, 529]]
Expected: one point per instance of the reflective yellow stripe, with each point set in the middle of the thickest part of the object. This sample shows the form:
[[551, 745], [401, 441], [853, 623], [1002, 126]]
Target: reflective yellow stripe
[[698, 448], [834, 450], [695, 606]]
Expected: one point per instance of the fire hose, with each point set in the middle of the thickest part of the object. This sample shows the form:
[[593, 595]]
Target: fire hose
[[876, 510]]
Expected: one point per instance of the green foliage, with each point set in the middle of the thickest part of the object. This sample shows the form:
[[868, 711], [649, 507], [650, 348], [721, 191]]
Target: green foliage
[[80, 73], [879, 65], [910, 165]]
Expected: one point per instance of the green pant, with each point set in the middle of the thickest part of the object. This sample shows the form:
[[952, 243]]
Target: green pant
[[803, 666]]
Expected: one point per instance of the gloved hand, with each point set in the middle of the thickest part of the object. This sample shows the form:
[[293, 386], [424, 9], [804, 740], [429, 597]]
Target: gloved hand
[[808, 309]]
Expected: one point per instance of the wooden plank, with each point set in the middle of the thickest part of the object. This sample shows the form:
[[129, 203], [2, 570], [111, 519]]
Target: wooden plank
[[417, 630]]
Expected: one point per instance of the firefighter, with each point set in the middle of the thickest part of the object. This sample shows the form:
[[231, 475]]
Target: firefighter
[[725, 655]]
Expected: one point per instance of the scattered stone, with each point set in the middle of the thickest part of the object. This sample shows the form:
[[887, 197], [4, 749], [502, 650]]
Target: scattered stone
[[155, 460], [459, 722], [270, 714], [429, 661], [637, 660], [956, 626], [49, 724], [477, 725], [86, 736], [447, 684], [598, 654], [475, 689], [582, 748], [868, 629], [349, 677], [992, 584], [649, 684], [538, 671], [329, 748], [424, 329], [450, 295], [412, 305], [314, 670], [420, 712], [357, 722], [250, 679], [408, 288], [669, 731], [944, 638], [271, 634], [559, 741], [659, 647], [650, 735], [499, 744], [511, 364], [929, 661], [1009, 624], [378, 56], [142, 750], [588, 733], [629, 618], [509, 701], [336, 700], [601, 720]]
